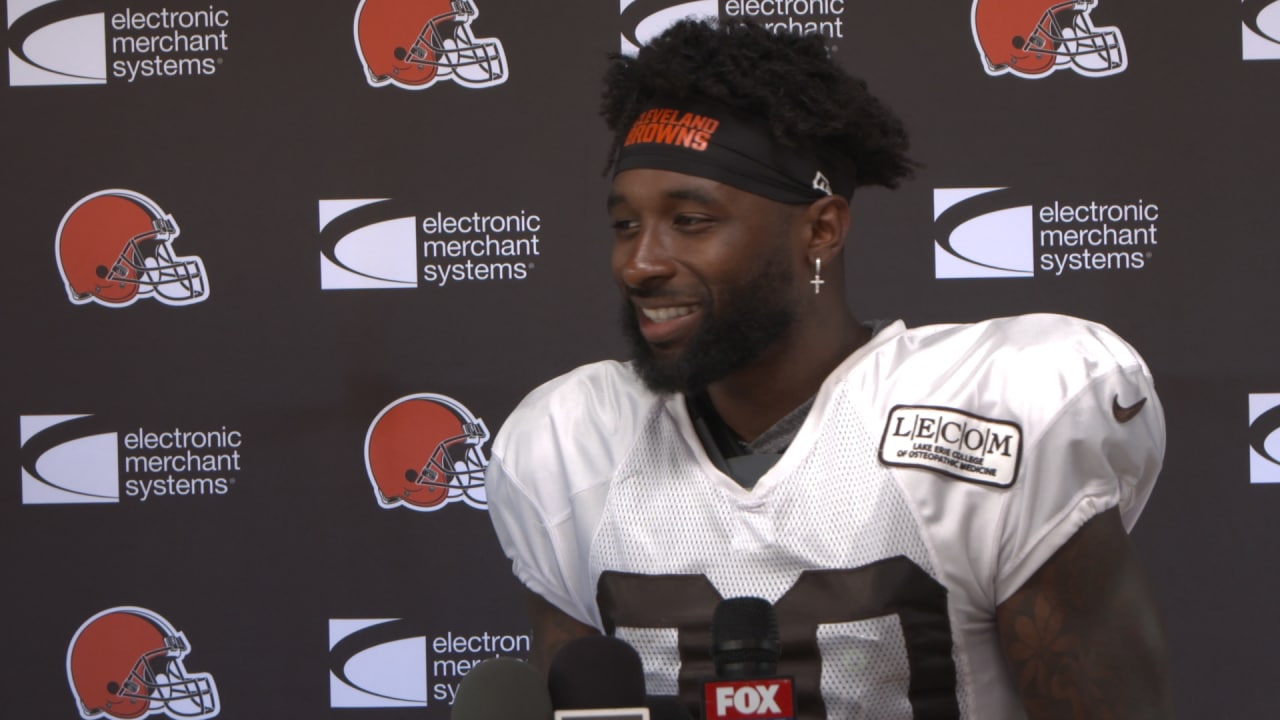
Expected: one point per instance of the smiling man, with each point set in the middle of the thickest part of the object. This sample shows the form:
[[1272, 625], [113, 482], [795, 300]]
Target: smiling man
[[938, 514]]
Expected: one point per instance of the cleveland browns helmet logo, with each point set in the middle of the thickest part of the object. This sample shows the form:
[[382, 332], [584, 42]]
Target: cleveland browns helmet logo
[[425, 451], [1033, 38], [126, 662], [114, 248], [412, 44]]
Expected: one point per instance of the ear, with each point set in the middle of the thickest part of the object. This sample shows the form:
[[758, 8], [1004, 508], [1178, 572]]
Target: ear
[[828, 221]]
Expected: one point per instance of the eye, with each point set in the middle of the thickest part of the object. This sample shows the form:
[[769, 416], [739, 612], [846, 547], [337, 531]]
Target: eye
[[622, 225], [691, 223]]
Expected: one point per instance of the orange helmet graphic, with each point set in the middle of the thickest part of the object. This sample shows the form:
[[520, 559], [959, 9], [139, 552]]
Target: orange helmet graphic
[[126, 662], [425, 451], [113, 248], [414, 43], [1032, 38]]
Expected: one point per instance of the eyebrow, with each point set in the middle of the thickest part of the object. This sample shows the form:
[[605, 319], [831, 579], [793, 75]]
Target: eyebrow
[[690, 194]]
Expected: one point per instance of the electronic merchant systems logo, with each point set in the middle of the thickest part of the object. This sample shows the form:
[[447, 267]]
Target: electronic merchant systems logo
[[385, 244], [128, 662], [1031, 39], [425, 451], [75, 459], [115, 247], [1260, 30], [1264, 438], [643, 20], [393, 662], [1006, 233], [413, 44], [87, 42]]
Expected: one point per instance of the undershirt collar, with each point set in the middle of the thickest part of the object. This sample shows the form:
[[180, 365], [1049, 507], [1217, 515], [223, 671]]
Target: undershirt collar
[[746, 462]]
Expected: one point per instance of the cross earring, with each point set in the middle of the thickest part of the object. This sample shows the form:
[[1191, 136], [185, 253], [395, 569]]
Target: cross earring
[[817, 281]]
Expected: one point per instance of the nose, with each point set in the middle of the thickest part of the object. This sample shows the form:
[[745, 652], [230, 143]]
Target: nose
[[643, 260]]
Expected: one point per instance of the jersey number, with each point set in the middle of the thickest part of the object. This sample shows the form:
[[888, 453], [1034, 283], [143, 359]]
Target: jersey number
[[894, 586]]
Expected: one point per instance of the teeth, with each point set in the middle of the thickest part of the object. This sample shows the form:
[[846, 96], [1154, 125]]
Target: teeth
[[666, 313]]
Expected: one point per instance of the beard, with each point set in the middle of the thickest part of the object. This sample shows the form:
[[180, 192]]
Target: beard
[[751, 318]]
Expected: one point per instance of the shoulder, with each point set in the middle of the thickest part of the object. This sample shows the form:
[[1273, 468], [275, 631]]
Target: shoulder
[[1028, 361], [603, 395], [1062, 341], [1013, 380], [1056, 341], [588, 416]]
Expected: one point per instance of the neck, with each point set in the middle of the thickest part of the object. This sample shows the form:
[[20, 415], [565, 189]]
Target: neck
[[754, 398]]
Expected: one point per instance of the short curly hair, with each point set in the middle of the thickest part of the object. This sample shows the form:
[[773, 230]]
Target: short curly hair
[[786, 79]]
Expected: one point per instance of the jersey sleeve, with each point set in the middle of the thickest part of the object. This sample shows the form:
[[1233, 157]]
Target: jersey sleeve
[[1100, 447], [533, 542]]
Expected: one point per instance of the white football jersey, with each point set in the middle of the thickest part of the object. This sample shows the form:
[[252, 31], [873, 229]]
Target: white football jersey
[[937, 470]]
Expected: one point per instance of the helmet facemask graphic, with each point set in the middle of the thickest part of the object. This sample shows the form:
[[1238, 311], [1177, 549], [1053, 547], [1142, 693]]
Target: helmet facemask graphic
[[148, 261], [456, 466], [161, 680], [1091, 50], [448, 37]]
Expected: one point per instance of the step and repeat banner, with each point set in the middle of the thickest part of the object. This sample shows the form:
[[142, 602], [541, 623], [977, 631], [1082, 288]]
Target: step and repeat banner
[[279, 270]]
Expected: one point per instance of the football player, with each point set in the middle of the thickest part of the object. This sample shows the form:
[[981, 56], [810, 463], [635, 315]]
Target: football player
[[938, 515]]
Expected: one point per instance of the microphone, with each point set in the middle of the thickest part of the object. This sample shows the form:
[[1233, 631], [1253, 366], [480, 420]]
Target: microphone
[[597, 676], [745, 650], [502, 688]]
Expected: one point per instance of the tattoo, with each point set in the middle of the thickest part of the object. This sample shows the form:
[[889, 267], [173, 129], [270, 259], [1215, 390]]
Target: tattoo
[[552, 628], [1081, 636]]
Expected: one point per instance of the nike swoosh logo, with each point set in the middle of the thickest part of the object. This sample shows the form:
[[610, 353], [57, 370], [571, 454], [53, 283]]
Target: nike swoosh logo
[[1125, 414]]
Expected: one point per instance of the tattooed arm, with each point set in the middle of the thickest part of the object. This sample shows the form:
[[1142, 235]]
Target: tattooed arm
[[552, 628], [1082, 636]]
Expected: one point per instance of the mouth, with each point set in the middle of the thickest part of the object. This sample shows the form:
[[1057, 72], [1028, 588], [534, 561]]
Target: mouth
[[667, 325], [663, 314]]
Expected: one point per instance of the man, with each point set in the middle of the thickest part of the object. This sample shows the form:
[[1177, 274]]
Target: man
[[938, 515]]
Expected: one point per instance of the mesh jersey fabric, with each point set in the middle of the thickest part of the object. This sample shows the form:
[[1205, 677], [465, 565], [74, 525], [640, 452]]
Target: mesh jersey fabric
[[593, 476]]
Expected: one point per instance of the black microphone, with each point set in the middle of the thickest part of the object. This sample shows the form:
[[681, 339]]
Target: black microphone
[[502, 688], [597, 677], [744, 638], [745, 650]]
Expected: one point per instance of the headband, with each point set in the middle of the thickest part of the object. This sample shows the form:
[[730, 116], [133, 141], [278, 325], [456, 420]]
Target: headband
[[708, 140]]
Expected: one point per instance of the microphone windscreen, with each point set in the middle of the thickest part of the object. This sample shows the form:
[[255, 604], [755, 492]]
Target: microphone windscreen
[[744, 637], [596, 671], [502, 689]]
